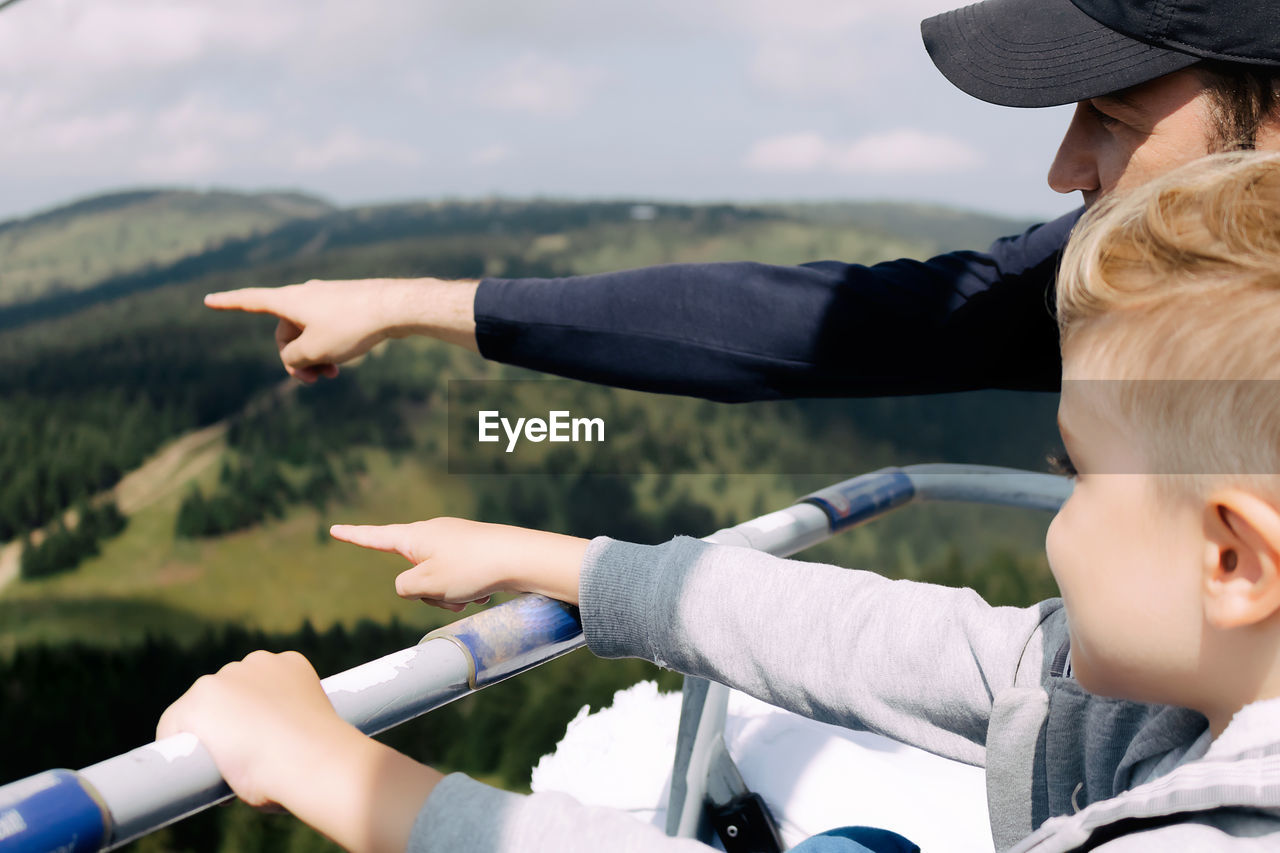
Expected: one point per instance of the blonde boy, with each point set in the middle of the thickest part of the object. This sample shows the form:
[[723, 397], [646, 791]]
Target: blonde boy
[[1139, 712]]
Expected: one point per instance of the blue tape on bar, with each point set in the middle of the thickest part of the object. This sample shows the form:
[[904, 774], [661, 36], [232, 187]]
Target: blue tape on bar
[[50, 811], [863, 498], [512, 637]]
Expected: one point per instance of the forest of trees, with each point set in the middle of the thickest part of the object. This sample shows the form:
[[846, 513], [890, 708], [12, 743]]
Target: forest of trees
[[305, 446], [498, 734], [73, 421], [62, 549]]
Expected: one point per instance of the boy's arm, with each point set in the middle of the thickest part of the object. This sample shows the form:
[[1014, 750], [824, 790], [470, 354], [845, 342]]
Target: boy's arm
[[457, 561], [276, 739], [917, 662]]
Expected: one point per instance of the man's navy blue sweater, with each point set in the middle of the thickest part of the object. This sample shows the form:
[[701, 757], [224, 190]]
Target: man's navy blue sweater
[[747, 331]]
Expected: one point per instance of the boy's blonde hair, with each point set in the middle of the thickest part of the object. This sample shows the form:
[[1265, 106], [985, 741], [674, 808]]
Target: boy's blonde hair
[[1172, 293]]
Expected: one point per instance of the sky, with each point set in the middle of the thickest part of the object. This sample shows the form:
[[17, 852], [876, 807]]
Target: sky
[[386, 100]]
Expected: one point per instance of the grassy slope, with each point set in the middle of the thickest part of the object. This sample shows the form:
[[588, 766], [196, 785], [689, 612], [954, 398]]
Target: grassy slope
[[74, 247], [272, 577]]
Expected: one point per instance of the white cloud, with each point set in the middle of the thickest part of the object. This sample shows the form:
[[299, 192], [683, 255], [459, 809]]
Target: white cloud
[[819, 18], [490, 155], [817, 49], [899, 152], [76, 134], [802, 70], [191, 139], [347, 146], [199, 117], [794, 152], [65, 38], [182, 162], [537, 84], [906, 152], [804, 18], [194, 137], [575, 23], [188, 138]]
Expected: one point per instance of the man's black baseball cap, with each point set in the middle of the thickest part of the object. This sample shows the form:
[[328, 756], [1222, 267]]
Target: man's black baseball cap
[[1042, 53]]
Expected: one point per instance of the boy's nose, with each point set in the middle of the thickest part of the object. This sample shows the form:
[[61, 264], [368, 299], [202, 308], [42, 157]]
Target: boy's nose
[[1075, 166]]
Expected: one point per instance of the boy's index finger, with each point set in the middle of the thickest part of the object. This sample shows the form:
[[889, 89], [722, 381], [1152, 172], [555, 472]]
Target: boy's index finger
[[256, 300], [379, 537]]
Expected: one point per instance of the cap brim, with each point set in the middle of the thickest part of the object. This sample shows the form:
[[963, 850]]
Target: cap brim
[[1039, 53]]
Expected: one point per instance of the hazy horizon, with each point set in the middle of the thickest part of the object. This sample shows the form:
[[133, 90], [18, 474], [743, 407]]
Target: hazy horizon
[[19, 215]]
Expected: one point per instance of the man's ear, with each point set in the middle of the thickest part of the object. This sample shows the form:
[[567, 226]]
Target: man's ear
[[1241, 568]]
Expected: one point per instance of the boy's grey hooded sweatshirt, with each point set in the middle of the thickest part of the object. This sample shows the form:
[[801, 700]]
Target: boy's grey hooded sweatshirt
[[931, 666]]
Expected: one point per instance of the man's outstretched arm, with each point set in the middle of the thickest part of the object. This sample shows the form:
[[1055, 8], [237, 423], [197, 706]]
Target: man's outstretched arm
[[735, 331]]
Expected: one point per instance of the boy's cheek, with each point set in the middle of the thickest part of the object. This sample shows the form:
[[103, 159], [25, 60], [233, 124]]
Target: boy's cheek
[[1054, 545]]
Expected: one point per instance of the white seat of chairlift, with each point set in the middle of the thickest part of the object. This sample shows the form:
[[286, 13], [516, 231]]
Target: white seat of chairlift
[[814, 776]]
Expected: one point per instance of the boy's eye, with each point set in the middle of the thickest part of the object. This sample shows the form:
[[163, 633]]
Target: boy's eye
[[1060, 463]]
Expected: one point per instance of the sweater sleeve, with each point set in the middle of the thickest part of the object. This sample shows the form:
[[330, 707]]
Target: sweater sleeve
[[747, 331], [916, 662], [463, 814]]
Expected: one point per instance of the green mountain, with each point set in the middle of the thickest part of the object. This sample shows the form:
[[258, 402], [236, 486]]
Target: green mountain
[[943, 227], [132, 369], [75, 246], [95, 382]]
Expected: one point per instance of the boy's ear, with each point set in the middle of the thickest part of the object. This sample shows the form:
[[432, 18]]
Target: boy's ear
[[1241, 568]]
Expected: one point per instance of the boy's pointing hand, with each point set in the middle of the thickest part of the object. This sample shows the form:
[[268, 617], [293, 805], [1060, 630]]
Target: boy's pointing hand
[[459, 561]]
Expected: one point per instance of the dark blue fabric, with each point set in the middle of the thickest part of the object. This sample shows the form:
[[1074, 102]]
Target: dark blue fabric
[[856, 839], [745, 331]]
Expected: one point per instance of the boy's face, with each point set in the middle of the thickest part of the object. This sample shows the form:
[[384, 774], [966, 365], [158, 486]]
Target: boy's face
[[1125, 559]]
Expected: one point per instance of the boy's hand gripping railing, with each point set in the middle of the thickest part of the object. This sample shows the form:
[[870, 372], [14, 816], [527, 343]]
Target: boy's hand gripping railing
[[115, 801]]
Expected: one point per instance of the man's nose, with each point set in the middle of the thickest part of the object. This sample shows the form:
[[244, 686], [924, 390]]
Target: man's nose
[[1075, 166]]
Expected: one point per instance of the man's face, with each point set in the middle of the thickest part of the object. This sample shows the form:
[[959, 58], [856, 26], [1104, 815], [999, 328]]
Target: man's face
[[1124, 557], [1125, 139]]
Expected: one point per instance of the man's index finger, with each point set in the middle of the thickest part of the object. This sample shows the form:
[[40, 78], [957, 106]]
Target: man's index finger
[[257, 300]]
